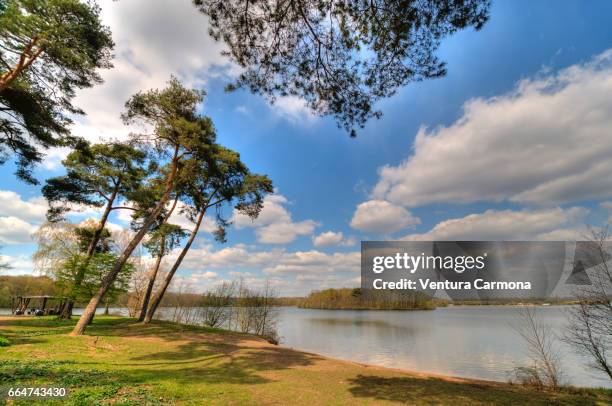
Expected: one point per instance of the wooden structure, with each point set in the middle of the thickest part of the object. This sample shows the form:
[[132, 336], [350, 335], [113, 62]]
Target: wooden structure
[[20, 305]]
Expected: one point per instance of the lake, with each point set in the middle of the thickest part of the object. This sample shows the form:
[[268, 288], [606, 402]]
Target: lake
[[465, 341]]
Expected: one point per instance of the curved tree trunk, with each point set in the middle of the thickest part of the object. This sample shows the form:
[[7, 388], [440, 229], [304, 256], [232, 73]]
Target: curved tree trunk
[[160, 294], [108, 280], [153, 276]]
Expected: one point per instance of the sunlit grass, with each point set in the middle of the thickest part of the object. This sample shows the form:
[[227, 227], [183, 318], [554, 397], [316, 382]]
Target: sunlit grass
[[122, 362]]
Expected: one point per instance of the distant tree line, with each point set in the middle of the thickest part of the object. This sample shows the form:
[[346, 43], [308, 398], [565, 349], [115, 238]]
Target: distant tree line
[[18, 285], [354, 299]]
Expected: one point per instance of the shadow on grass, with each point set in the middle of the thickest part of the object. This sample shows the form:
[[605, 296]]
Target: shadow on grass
[[221, 365], [438, 391], [198, 354], [216, 363]]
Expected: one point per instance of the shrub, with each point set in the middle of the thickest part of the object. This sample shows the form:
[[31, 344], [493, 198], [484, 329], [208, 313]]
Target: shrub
[[4, 342]]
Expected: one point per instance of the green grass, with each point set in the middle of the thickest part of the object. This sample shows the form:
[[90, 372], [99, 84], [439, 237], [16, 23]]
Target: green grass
[[4, 342], [122, 363]]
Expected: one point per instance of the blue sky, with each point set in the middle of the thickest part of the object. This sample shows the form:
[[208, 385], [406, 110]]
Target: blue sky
[[512, 144]]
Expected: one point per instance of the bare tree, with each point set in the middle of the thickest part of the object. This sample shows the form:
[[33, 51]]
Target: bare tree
[[589, 331], [216, 305], [138, 285], [265, 313], [254, 312], [544, 370]]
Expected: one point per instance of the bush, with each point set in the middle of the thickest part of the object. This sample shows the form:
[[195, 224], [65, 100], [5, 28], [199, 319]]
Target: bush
[[4, 342]]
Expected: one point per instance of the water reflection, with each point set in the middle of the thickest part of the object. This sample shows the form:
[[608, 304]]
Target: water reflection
[[472, 341]]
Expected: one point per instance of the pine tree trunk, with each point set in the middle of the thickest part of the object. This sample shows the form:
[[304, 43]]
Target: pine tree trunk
[[109, 279], [160, 294], [153, 276], [147, 295]]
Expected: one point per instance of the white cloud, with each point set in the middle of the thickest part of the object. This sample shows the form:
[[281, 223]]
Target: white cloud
[[153, 41], [293, 109], [31, 210], [273, 212], [19, 265], [15, 231], [284, 233], [309, 262], [248, 262], [546, 142], [20, 218], [204, 275], [274, 225], [235, 257], [380, 216], [331, 238], [289, 273], [500, 225]]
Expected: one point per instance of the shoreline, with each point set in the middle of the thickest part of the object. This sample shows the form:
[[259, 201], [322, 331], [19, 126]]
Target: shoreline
[[187, 364], [416, 373]]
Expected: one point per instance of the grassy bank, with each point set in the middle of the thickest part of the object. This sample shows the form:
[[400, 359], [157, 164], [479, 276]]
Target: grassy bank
[[120, 362]]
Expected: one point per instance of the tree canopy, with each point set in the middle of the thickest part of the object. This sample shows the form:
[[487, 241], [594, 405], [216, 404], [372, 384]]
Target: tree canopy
[[340, 57], [48, 50], [215, 180], [96, 175]]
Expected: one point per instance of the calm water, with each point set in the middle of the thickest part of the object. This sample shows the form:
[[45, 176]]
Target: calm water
[[470, 341]]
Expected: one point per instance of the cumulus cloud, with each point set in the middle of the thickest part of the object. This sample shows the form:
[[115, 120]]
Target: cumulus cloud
[[545, 224], [274, 225], [293, 109], [19, 265], [546, 142], [32, 210], [20, 218], [287, 272], [204, 275], [284, 233], [238, 256], [15, 231], [273, 211], [153, 41], [331, 239], [243, 260], [380, 216], [309, 262]]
